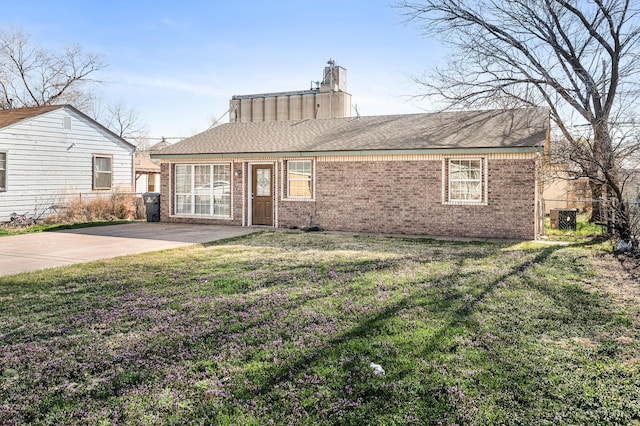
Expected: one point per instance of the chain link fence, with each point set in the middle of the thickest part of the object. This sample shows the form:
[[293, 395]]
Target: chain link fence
[[42, 206], [584, 216]]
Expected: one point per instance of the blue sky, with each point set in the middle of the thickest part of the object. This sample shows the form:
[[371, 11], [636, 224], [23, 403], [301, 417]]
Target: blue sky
[[179, 62]]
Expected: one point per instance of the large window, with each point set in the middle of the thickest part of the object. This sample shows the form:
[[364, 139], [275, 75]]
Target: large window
[[102, 172], [299, 179], [3, 171], [203, 189], [465, 181]]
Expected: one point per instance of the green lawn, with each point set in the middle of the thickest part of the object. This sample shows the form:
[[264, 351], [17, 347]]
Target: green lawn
[[280, 328], [584, 228]]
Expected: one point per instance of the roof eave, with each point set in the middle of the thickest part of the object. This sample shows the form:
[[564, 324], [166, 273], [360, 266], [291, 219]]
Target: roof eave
[[62, 106], [470, 151], [101, 126]]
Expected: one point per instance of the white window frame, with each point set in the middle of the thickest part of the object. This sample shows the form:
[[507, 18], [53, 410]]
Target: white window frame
[[310, 179], [103, 172], [447, 181], [192, 193], [3, 168], [183, 194]]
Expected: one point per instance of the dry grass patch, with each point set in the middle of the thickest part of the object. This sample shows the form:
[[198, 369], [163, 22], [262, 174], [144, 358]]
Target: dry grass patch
[[109, 207]]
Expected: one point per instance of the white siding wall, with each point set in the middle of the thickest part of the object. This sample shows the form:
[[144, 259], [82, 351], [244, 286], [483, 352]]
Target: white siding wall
[[46, 163], [142, 184]]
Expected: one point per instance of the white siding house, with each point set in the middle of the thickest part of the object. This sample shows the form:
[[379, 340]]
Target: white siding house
[[147, 175], [51, 153], [148, 183]]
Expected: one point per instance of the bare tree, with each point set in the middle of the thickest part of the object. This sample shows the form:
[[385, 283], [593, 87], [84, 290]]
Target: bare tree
[[143, 143], [579, 57], [123, 120], [33, 76]]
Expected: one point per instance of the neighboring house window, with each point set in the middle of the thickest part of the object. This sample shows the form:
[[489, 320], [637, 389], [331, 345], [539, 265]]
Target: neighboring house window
[[151, 183], [102, 172], [203, 189], [299, 179], [465, 178], [3, 171], [66, 123]]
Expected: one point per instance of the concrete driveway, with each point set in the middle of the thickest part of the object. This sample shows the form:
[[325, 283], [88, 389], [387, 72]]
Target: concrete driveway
[[30, 252]]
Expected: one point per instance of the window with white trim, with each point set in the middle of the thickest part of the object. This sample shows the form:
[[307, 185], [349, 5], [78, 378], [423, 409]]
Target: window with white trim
[[299, 179], [102, 172], [3, 171], [465, 180], [203, 189]]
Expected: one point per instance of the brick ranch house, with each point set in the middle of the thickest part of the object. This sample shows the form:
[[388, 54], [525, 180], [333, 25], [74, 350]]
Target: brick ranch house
[[452, 174]]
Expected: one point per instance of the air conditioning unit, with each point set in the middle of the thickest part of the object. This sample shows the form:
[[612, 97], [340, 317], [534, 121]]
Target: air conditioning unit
[[563, 219]]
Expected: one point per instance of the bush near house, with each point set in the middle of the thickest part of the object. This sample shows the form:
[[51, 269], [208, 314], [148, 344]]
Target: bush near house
[[82, 212], [116, 206], [281, 328]]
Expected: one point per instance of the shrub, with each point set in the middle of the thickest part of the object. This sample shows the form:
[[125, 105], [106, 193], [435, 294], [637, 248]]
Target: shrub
[[112, 207]]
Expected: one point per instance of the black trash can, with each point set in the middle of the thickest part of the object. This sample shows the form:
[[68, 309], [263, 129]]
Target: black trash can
[[152, 206]]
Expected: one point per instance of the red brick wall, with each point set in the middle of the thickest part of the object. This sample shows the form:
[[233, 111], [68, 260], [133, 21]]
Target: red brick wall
[[397, 197], [297, 214], [406, 198], [165, 197]]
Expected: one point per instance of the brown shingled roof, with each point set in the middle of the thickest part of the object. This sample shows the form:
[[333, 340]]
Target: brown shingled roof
[[144, 164], [444, 130], [11, 116]]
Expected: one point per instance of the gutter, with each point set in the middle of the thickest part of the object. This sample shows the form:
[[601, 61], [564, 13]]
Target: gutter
[[535, 149]]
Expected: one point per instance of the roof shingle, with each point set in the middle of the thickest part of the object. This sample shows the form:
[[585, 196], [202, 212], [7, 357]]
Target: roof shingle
[[444, 130]]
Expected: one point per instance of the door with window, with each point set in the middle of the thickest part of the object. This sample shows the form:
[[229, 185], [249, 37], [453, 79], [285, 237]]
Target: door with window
[[262, 195]]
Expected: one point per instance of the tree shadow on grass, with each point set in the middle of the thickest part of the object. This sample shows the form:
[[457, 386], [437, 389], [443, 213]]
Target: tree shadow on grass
[[433, 396], [378, 397], [447, 400]]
